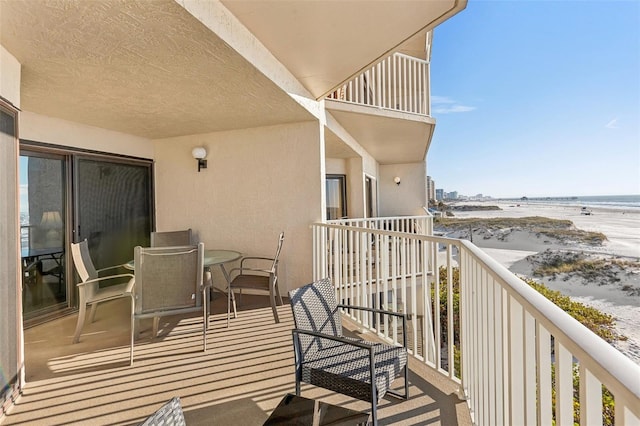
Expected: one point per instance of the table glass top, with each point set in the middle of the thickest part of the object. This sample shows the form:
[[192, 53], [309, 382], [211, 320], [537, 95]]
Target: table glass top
[[215, 257], [211, 257]]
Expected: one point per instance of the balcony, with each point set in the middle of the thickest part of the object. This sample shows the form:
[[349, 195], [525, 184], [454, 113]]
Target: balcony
[[518, 358], [386, 108], [515, 353], [398, 83]]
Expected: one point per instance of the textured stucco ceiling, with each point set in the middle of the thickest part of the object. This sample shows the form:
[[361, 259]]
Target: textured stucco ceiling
[[146, 68]]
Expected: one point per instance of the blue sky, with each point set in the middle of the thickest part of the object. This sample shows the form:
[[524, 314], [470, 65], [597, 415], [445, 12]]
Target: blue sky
[[537, 98]]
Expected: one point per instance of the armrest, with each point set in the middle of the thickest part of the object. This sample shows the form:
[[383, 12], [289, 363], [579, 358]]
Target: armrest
[[383, 312], [362, 345], [266, 271], [110, 267], [256, 258], [377, 311], [270, 259], [96, 280]]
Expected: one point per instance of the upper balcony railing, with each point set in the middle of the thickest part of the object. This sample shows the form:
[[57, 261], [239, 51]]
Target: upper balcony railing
[[399, 83], [518, 358]]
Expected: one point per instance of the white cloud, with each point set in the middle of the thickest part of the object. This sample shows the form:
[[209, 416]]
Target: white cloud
[[452, 108], [445, 105], [613, 124]]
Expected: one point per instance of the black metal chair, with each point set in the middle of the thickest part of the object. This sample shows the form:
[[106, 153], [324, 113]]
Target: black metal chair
[[326, 358], [170, 414]]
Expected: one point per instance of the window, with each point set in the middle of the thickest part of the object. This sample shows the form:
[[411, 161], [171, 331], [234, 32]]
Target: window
[[336, 188]]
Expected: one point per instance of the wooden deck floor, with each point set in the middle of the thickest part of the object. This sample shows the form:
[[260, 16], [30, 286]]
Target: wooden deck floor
[[246, 370]]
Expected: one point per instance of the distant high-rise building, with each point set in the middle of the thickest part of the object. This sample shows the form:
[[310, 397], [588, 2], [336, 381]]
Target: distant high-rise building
[[431, 189], [439, 194]]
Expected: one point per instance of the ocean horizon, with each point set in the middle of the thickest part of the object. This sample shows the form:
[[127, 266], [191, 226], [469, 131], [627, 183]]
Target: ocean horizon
[[612, 201]]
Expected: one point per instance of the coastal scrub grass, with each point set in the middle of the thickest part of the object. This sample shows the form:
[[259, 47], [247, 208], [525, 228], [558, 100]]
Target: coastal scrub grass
[[597, 321], [559, 229], [590, 268]]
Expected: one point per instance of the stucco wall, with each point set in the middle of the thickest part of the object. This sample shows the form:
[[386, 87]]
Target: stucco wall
[[335, 166], [9, 77], [258, 182], [355, 188], [51, 130], [406, 198]]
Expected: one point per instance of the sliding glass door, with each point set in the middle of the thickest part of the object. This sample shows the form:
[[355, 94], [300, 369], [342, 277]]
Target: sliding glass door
[[336, 193], [112, 208], [43, 200], [67, 196]]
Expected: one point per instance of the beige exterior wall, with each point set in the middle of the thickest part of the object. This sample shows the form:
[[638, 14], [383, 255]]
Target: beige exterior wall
[[258, 182], [406, 198], [336, 166], [9, 77], [41, 128], [355, 187]]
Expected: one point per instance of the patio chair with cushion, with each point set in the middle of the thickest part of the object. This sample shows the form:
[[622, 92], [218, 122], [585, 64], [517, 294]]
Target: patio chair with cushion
[[171, 238], [324, 357], [90, 291], [254, 278], [169, 281]]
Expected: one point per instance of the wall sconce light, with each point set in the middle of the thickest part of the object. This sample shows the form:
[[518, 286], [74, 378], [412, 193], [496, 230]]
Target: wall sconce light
[[199, 153], [396, 180]]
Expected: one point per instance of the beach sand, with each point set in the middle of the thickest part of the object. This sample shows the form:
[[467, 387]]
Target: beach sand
[[620, 299]]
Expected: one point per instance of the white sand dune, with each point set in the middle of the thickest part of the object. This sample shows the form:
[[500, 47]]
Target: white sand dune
[[622, 229]]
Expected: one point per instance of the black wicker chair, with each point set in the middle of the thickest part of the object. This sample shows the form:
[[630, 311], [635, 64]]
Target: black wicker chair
[[326, 358], [170, 414]]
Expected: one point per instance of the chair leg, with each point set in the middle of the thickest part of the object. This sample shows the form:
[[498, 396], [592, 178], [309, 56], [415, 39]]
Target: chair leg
[[133, 329], [279, 296], [273, 306], [374, 411], [205, 318], [406, 380], [156, 325], [92, 315], [80, 324]]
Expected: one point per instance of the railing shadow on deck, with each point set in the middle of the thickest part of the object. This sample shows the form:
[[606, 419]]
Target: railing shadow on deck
[[245, 372]]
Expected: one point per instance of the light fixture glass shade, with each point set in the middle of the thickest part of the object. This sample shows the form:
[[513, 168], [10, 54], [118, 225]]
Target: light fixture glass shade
[[199, 153], [51, 220], [396, 180]]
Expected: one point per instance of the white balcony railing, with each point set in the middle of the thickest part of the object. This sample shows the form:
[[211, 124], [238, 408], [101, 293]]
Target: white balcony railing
[[399, 83], [517, 350]]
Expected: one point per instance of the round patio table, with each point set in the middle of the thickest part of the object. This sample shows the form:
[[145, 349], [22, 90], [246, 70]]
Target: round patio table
[[214, 257]]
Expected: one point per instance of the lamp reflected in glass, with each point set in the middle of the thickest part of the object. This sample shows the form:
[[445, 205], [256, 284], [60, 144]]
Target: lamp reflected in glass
[[52, 222]]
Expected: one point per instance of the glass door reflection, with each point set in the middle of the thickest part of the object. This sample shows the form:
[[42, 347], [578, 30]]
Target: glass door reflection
[[42, 233]]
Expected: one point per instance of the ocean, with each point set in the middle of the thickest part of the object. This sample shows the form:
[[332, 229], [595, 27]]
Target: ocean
[[610, 201]]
